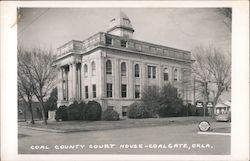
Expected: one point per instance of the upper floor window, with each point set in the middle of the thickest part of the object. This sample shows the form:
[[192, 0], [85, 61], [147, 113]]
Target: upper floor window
[[123, 69], [123, 43], [109, 89], [152, 72], [85, 70], [93, 67], [165, 74], [137, 70], [109, 40], [108, 67], [124, 91], [175, 74]]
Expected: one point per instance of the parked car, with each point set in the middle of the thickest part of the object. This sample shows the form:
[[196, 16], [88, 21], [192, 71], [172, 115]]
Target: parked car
[[224, 117]]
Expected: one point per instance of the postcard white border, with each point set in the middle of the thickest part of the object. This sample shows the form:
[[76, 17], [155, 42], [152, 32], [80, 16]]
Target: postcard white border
[[240, 79]]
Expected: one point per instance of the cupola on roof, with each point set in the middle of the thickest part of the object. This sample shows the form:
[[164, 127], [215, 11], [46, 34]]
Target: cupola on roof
[[121, 25]]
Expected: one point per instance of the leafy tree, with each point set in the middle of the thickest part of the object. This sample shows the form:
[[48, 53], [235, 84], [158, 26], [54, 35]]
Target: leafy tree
[[162, 102], [170, 104], [151, 100]]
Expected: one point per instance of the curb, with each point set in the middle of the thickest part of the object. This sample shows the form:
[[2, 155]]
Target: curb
[[52, 130]]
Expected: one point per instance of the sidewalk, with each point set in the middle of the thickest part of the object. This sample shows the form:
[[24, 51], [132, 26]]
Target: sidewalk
[[85, 126]]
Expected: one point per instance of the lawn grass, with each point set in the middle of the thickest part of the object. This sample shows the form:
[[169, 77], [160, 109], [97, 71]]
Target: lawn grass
[[108, 125]]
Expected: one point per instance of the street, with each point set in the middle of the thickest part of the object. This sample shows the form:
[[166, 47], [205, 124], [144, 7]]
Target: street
[[174, 139]]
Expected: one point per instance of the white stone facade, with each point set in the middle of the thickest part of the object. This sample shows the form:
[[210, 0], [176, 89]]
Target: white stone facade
[[113, 68]]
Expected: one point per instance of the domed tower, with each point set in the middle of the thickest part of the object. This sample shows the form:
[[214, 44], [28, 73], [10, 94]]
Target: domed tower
[[121, 26]]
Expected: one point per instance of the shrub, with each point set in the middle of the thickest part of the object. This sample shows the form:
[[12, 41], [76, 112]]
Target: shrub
[[171, 110], [191, 110], [93, 111], [150, 99], [74, 112], [61, 113], [137, 110], [110, 115], [200, 111], [82, 110]]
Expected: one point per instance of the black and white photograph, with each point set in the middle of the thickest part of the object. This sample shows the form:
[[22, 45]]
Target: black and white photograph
[[126, 81]]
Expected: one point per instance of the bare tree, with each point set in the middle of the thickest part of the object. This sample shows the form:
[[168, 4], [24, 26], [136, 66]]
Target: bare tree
[[41, 75], [212, 70], [25, 89], [227, 13]]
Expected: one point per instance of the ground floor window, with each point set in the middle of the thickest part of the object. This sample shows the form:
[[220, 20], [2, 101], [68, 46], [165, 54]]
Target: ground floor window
[[94, 90], [137, 91], [124, 111], [86, 92], [110, 107]]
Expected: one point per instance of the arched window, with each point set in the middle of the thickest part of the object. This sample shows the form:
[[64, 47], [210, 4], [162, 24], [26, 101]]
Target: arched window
[[175, 74], [137, 70], [93, 68], [165, 74], [85, 70], [123, 69], [108, 67]]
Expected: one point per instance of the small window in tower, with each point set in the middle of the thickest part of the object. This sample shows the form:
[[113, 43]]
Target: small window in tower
[[109, 41], [123, 43], [126, 22]]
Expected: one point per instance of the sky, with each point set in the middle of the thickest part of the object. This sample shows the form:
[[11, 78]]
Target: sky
[[182, 28]]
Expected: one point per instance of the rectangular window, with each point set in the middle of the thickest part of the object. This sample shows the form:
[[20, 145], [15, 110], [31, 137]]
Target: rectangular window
[[165, 76], [152, 72], [149, 72], [166, 52], [109, 89], [109, 40], [138, 47], [137, 71], [86, 92], [124, 91], [123, 43], [124, 111], [137, 91], [94, 90], [110, 108]]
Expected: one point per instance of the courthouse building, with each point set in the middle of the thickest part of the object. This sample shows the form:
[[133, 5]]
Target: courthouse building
[[114, 69]]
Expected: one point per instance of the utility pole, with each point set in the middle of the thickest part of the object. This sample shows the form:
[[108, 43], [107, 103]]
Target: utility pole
[[194, 90]]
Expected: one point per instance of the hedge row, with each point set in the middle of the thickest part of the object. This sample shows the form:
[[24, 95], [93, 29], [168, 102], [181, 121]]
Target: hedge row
[[140, 110], [91, 111], [79, 111]]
